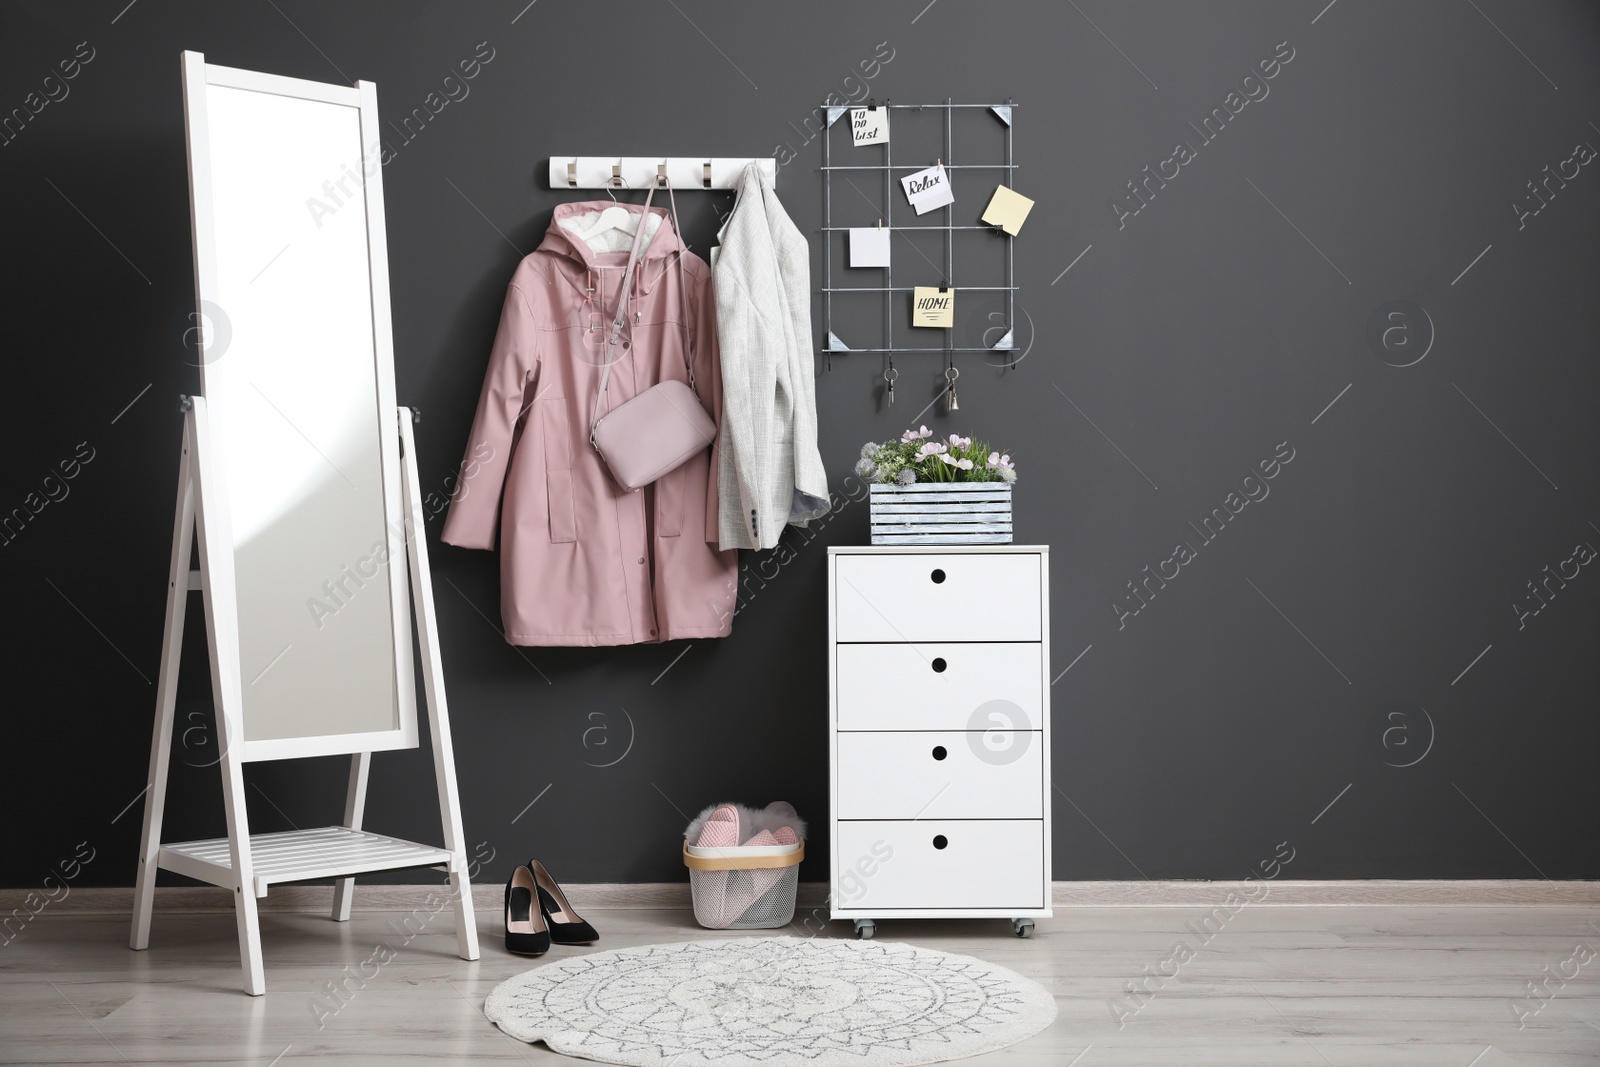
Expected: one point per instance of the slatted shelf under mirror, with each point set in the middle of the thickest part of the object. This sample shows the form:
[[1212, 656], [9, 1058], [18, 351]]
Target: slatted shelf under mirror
[[915, 263]]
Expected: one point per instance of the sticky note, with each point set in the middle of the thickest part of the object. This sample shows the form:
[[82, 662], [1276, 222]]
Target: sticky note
[[928, 189], [869, 125], [1007, 209], [869, 246], [931, 307]]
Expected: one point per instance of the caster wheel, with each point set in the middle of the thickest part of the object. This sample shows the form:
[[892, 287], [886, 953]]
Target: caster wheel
[[865, 928], [1022, 927]]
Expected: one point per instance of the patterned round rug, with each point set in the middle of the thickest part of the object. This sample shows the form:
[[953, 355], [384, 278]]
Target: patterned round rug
[[771, 1000]]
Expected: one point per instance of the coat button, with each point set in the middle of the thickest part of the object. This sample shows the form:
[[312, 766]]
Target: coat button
[[641, 559]]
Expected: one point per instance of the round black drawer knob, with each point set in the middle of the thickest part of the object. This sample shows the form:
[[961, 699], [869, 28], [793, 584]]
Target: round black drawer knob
[[937, 576], [939, 665], [940, 841], [939, 752]]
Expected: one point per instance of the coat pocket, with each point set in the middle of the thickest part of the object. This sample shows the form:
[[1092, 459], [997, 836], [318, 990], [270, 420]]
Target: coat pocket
[[558, 482]]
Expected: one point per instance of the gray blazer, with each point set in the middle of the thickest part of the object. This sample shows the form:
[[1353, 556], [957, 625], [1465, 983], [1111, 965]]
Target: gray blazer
[[769, 470]]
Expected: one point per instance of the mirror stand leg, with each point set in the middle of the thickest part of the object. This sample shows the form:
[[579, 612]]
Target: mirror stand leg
[[444, 759], [461, 901], [355, 805], [166, 700], [222, 625]]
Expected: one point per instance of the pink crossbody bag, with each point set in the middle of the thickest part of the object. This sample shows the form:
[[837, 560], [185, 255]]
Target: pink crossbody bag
[[665, 426]]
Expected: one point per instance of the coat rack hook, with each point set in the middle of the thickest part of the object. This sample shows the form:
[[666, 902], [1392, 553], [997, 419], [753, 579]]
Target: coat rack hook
[[706, 175], [572, 174], [661, 175], [616, 175]]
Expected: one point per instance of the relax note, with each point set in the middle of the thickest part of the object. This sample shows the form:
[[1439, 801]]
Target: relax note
[[1007, 209], [869, 125], [928, 189], [869, 246], [932, 306]]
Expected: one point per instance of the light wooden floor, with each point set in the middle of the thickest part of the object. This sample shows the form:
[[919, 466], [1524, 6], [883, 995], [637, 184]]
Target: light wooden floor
[[1323, 987]]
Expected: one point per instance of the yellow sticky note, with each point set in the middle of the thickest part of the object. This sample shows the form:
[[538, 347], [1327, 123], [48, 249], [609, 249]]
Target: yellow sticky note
[[1007, 209], [931, 307]]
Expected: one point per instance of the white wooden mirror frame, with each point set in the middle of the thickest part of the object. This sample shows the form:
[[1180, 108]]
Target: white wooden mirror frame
[[248, 864]]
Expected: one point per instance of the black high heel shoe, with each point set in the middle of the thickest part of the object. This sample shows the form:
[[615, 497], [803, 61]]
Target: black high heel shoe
[[566, 926], [526, 932]]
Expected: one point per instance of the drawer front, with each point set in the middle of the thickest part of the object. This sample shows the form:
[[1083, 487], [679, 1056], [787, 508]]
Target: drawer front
[[926, 597], [884, 866], [935, 686], [939, 775]]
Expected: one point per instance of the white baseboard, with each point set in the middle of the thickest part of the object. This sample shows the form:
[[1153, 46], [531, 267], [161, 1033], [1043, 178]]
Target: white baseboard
[[674, 896]]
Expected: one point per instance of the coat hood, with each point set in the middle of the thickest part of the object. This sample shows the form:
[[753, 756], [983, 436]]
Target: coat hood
[[610, 249]]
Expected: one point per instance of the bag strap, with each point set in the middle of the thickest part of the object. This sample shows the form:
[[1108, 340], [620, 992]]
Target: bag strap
[[621, 316], [615, 333]]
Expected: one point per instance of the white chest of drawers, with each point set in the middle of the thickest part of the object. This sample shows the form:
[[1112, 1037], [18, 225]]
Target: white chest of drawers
[[939, 715]]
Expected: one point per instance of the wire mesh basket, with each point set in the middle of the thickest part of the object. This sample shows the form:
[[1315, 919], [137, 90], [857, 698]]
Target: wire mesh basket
[[744, 887]]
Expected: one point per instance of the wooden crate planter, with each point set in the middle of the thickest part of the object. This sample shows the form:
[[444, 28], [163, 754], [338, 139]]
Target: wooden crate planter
[[942, 513]]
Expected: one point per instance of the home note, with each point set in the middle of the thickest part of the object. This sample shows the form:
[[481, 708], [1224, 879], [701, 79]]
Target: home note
[[934, 307]]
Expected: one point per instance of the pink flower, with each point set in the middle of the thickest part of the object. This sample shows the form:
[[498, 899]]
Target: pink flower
[[958, 441], [915, 435], [932, 448], [998, 461], [962, 464]]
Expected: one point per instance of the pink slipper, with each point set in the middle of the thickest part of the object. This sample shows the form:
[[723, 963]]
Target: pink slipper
[[762, 878], [721, 829]]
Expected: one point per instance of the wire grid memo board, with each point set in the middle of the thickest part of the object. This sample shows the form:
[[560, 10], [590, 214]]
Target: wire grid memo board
[[973, 189]]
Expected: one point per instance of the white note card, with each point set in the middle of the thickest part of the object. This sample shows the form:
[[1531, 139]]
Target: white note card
[[869, 125], [869, 246], [928, 189]]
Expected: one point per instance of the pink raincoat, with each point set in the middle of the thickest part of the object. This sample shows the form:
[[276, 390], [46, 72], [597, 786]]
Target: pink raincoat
[[584, 562]]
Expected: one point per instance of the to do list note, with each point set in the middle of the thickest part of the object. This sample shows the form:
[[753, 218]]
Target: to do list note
[[869, 125]]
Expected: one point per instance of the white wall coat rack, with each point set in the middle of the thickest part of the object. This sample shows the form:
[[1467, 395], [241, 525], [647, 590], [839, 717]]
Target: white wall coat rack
[[640, 172]]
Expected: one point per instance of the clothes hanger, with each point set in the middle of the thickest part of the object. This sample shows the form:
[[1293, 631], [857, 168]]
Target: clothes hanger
[[613, 218]]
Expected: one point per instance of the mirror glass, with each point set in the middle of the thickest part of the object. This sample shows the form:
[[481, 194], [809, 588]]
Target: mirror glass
[[291, 382]]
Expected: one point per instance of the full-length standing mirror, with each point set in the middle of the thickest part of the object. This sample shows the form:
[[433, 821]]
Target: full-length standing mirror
[[299, 480], [296, 370]]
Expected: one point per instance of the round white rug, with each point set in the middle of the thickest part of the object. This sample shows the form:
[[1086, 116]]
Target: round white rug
[[771, 1000]]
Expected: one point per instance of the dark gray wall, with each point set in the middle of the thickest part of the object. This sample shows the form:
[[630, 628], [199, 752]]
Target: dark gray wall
[[1360, 617]]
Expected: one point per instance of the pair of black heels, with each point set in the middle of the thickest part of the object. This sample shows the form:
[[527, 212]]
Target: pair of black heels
[[531, 930]]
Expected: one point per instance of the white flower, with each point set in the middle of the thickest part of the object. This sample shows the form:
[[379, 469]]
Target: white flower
[[907, 477], [864, 466], [1008, 474]]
